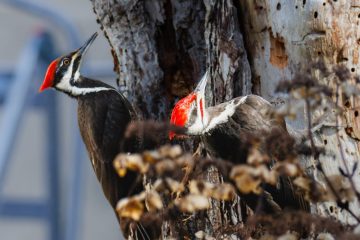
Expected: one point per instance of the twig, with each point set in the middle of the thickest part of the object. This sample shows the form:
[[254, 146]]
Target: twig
[[316, 156], [342, 155]]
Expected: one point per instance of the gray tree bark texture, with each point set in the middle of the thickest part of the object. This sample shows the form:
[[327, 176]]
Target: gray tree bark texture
[[162, 47], [282, 38]]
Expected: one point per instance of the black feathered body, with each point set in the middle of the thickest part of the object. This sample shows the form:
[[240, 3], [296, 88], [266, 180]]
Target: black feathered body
[[229, 139], [251, 116], [103, 117]]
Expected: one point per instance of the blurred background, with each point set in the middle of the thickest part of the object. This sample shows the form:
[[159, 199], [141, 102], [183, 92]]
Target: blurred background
[[48, 190]]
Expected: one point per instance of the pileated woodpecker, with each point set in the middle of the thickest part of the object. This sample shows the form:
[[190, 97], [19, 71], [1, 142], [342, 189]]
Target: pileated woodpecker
[[103, 115], [223, 127]]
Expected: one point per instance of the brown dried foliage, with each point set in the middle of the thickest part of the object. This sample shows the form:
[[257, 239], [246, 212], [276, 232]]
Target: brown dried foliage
[[174, 192]]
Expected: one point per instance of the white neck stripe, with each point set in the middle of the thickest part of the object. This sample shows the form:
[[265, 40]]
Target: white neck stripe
[[224, 116], [198, 127], [64, 85], [76, 91]]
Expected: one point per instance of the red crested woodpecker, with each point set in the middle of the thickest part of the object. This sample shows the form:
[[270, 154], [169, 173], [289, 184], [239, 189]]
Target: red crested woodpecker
[[103, 115], [223, 127]]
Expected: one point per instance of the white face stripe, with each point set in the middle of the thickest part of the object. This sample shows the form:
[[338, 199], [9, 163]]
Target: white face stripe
[[198, 127], [66, 86], [67, 75], [76, 91], [224, 116], [201, 121]]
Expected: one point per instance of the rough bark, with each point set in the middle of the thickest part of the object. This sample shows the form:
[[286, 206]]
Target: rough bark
[[160, 50], [282, 38], [131, 30], [162, 47]]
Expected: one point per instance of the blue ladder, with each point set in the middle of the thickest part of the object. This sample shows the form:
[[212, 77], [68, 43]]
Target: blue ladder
[[15, 92]]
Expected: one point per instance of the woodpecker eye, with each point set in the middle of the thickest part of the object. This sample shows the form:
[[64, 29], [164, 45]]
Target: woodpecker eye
[[66, 61]]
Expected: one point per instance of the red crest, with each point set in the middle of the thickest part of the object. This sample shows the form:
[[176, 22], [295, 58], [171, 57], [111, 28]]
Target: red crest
[[180, 113], [49, 76]]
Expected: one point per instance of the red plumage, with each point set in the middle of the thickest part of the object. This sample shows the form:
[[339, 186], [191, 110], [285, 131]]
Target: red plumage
[[180, 113], [49, 76]]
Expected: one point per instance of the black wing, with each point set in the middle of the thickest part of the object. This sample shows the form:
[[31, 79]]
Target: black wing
[[230, 141], [103, 118]]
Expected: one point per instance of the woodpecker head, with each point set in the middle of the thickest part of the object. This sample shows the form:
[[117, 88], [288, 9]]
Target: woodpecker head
[[63, 72], [189, 112]]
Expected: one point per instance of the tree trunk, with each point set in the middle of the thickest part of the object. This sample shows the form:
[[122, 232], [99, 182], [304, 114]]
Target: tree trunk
[[161, 48], [282, 38]]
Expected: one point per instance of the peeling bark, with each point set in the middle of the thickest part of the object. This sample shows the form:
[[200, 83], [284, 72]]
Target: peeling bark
[[162, 47], [226, 55], [282, 38]]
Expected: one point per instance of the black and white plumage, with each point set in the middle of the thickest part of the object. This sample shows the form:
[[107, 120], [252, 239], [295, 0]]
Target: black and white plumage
[[103, 115], [244, 115], [224, 128]]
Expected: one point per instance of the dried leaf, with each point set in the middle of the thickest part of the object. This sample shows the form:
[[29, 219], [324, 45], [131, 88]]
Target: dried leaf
[[168, 151], [267, 176], [153, 201], [255, 157], [287, 169], [303, 183], [158, 185], [200, 234], [121, 171], [192, 203], [223, 191], [133, 162], [325, 236], [184, 160], [289, 236], [175, 186], [151, 156], [136, 163], [119, 165], [313, 190], [131, 207], [200, 187], [167, 165], [267, 236], [246, 178]]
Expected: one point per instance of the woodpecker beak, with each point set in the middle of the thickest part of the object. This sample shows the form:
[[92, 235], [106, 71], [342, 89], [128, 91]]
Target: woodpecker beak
[[200, 88], [200, 94], [86, 46]]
